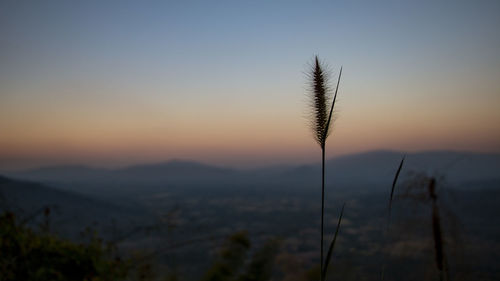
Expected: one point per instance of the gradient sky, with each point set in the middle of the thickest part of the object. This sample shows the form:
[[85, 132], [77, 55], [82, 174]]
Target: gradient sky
[[110, 83]]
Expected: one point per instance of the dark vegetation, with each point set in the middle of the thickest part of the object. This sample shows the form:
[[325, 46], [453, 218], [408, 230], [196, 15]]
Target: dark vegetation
[[37, 255]]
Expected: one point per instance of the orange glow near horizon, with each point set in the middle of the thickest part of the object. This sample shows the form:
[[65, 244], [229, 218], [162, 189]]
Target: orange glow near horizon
[[239, 139]]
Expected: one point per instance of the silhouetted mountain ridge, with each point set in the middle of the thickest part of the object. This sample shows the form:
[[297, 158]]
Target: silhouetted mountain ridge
[[373, 168], [378, 167], [70, 210], [175, 166]]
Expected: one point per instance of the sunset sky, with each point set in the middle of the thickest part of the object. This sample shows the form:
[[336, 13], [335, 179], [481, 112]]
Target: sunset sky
[[111, 83]]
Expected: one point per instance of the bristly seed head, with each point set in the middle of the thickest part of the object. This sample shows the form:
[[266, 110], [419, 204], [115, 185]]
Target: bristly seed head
[[320, 90], [322, 108]]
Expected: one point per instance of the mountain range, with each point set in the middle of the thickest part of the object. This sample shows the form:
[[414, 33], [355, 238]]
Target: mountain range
[[374, 168]]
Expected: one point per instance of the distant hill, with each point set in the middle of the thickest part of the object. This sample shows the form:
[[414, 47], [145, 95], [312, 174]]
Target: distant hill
[[171, 169], [380, 166], [175, 171], [174, 167], [374, 168], [65, 173], [377, 168], [69, 211]]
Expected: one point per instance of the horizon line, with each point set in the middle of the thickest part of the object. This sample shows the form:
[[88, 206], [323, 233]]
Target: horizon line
[[235, 166]]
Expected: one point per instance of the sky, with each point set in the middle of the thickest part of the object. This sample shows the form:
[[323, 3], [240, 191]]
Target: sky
[[112, 83]]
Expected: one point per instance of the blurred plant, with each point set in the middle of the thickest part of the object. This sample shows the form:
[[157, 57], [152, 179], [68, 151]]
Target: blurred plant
[[423, 188], [436, 230], [260, 267], [29, 255], [232, 262], [231, 258]]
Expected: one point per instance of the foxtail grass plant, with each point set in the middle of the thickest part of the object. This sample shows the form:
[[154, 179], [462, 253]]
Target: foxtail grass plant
[[322, 112]]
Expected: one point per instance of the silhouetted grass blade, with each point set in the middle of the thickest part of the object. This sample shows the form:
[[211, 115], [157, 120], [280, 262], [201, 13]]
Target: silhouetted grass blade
[[332, 245], [327, 127], [395, 180], [393, 187]]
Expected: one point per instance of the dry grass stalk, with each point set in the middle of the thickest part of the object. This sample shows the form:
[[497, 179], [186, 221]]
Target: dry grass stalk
[[321, 123]]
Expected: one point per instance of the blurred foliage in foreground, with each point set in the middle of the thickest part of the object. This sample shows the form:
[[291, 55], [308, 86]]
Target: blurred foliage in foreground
[[29, 255], [26, 254], [230, 263]]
